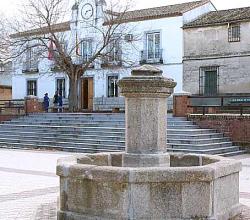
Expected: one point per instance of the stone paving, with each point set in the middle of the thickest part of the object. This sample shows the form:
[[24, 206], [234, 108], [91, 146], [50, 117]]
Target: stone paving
[[29, 186]]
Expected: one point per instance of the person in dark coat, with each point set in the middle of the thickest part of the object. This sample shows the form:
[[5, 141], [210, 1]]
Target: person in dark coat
[[60, 102], [55, 100], [46, 102]]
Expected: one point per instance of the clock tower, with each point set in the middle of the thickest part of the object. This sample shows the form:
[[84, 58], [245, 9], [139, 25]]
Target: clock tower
[[88, 12]]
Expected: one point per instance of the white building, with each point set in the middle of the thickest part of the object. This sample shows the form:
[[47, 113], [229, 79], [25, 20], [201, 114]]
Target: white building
[[160, 43]]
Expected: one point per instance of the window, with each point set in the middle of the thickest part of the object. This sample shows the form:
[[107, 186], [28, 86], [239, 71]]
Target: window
[[86, 49], [112, 86], [234, 33], [209, 80], [1, 68], [60, 86], [114, 50], [153, 46], [32, 87], [31, 62]]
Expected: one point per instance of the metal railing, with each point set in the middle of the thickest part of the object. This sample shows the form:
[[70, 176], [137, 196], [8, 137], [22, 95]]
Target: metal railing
[[148, 56], [12, 107], [30, 67], [221, 104]]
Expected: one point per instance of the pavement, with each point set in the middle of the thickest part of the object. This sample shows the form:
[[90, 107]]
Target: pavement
[[29, 186]]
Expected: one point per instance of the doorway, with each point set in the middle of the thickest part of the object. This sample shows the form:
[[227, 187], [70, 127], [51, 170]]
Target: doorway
[[87, 93]]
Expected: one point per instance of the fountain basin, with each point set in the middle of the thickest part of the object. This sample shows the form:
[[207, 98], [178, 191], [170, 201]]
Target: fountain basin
[[96, 186]]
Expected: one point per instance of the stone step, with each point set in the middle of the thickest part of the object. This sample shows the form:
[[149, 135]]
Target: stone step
[[206, 151], [63, 131], [233, 153], [33, 135], [84, 120], [70, 124], [61, 141], [195, 136], [190, 131], [68, 128], [103, 132], [104, 124], [200, 146], [198, 141], [61, 144], [90, 116], [27, 121], [57, 148]]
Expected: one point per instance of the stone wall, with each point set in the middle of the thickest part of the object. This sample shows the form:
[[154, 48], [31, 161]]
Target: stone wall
[[233, 77], [209, 46], [234, 126]]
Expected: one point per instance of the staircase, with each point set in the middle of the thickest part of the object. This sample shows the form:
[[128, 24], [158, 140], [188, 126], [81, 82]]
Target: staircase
[[92, 133]]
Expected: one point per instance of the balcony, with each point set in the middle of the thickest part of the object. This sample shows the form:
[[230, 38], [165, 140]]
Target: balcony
[[112, 60], [55, 68], [107, 64], [151, 57], [30, 67], [83, 60]]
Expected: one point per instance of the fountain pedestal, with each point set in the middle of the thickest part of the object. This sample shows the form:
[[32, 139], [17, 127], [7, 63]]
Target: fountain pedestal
[[146, 92], [145, 182]]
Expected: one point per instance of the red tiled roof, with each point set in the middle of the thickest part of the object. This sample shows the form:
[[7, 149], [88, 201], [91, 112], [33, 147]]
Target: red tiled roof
[[221, 17], [65, 26]]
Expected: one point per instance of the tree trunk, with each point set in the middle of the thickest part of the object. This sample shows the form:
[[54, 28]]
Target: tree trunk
[[73, 93]]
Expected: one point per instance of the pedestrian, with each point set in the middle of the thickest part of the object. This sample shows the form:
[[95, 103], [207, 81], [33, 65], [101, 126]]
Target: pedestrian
[[60, 102], [55, 101], [46, 102]]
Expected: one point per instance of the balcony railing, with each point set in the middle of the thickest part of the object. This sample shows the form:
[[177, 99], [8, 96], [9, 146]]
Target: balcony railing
[[116, 63], [84, 59], [30, 67], [151, 56]]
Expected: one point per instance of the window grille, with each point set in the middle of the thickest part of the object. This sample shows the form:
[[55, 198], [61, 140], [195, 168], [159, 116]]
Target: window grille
[[234, 33]]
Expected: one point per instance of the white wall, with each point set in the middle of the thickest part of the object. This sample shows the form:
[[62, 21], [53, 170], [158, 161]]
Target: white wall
[[171, 43], [45, 83], [197, 12], [5, 79]]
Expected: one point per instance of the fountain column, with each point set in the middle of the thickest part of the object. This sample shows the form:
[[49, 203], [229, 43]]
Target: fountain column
[[146, 92]]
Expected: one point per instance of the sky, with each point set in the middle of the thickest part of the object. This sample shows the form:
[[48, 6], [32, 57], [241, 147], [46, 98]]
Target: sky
[[10, 7]]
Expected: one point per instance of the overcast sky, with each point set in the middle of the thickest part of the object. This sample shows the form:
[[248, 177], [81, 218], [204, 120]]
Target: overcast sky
[[10, 7]]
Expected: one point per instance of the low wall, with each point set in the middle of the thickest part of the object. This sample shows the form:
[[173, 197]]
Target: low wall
[[109, 103], [7, 117], [237, 127]]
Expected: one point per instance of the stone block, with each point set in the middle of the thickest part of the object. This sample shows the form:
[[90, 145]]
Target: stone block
[[197, 199], [146, 160]]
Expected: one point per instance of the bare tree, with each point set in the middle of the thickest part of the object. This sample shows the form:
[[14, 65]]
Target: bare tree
[[43, 29]]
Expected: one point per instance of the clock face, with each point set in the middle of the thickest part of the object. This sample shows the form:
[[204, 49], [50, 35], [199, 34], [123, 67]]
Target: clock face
[[87, 11]]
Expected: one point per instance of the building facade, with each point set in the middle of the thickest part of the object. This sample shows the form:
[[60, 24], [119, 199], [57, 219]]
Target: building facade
[[159, 42], [217, 53]]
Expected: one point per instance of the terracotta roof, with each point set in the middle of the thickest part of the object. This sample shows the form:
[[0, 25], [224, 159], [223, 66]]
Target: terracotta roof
[[65, 26], [221, 17], [159, 12]]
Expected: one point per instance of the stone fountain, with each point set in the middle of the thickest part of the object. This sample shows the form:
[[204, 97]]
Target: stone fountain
[[145, 182]]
